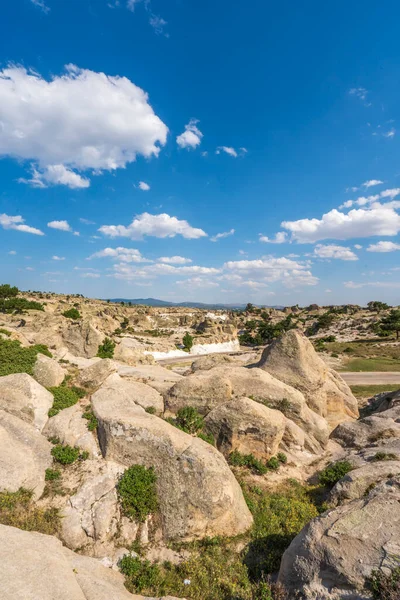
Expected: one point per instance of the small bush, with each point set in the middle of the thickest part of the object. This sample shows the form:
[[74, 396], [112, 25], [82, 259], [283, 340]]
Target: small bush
[[187, 342], [273, 463], [16, 359], [52, 474], [151, 410], [281, 456], [385, 587], [384, 456], [19, 305], [91, 419], [106, 349], [142, 575], [64, 397], [65, 455], [333, 473], [237, 459], [5, 332], [18, 510], [72, 313], [137, 492], [189, 419], [207, 437]]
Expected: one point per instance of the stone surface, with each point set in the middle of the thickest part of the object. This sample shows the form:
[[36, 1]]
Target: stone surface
[[48, 372], [34, 566], [81, 338], [93, 376], [155, 376], [116, 387], [333, 555], [246, 426], [205, 363], [356, 483], [24, 456], [72, 429], [367, 431], [293, 360], [25, 398], [132, 356], [198, 494]]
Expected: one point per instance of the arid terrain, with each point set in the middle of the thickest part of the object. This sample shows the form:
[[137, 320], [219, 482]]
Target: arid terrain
[[206, 455]]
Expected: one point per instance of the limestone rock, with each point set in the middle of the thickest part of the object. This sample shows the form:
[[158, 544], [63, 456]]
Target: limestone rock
[[48, 372], [34, 566], [155, 376], [24, 456], [356, 483], [293, 360], [198, 494], [115, 387], [71, 428], [93, 376], [246, 426], [367, 431], [132, 356], [333, 555], [82, 339], [205, 363], [25, 398]]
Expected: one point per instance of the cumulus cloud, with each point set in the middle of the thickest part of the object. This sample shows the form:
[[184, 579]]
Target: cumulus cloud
[[383, 247], [191, 137], [128, 272], [369, 200], [41, 5], [55, 257], [126, 255], [220, 236], [389, 134], [357, 247], [61, 127], [160, 226], [12, 252], [17, 223], [157, 23], [197, 282], [87, 222], [358, 223], [231, 151], [60, 225], [174, 260], [280, 238], [372, 183], [332, 251], [144, 186], [289, 272]]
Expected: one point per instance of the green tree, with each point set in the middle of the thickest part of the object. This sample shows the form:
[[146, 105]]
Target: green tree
[[391, 322], [187, 341], [106, 349], [377, 306], [6, 291], [249, 307]]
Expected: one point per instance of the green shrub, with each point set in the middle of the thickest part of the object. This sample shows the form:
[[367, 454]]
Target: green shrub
[[65, 455], [80, 392], [52, 474], [273, 463], [91, 419], [281, 456], [18, 510], [385, 586], [106, 349], [19, 305], [72, 313], [207, 437], [16, 359], [64, 397], [189, 419], [5, 332], [137, 492], [334, 472], [237, 459], [151, 410], [141, 574], [384, 456], [187, 341]]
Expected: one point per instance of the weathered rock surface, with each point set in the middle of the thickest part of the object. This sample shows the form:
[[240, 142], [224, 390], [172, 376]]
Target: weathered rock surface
[[367, 431], [334, 554], [93, 376], [246, 426], [116, 388], [155, 376], [24, 455], [198, 494], [72, 429], [356, 483], [293, 360], [82, 339], [48, 372], [132, 355], [34, 566], [205, 363], [25, 398]]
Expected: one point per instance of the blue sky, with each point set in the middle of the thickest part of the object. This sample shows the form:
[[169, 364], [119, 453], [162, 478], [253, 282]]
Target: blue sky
[[219, 151]]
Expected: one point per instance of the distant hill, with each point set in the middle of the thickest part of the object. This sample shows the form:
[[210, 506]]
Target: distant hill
[[161, 303]]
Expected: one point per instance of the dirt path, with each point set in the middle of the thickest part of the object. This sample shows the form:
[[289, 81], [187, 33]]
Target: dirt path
[[371, 378]]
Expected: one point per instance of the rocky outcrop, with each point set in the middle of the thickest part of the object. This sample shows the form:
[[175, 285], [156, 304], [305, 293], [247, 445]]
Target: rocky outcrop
[[35, 566], [246, 426], [367, 431], [358, 482], [335, 553], [71, 429], [95, 375], [132, 355], [155, 376], [116, 388], [24, 456], [82, 339], [22, 396], [48, 372], [198, 494], [205, 363], [293, 360]]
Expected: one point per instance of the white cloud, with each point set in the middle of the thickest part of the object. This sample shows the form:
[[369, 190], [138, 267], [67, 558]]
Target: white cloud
[[174, 260], [220, 236], [60, 225], [228, 150], [328, 291], [191, 137], [358, 223], [383, 247], [359, 92], [90, 275], [289, 272], [126, 255], [160, 226], [41, 4], [357, 246], [12, 252], [372, 183], [390, 134], [128, 272], [60, 125], [197, 282], [364, 200], [280, 238], [130, 4], [87, 222], [58, 257], [380, 284], [157, 23], [17, 223], [332, 251], [144, 186]]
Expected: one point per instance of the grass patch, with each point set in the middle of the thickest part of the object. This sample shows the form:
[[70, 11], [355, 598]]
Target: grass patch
[[237, 459], [65, 455], [368, 391], [72, 313], [16, 359], [17, 509], [64, 397], [372, 364], [137, 492], [385, 586], [5, 332], [380, 456], [92, 422], [334, 472]]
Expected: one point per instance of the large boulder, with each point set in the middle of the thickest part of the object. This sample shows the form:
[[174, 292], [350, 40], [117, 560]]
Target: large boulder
[[359, 481], [156, 376], [132, 356], [71, 429], [197, 492], [48, 372], [81, 338], [25, 398], [205, 363], [367, 431], [246, 426], [24, 456], [34, 566], [293, 360], [117, 388], [333, 556], [93, 376]]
